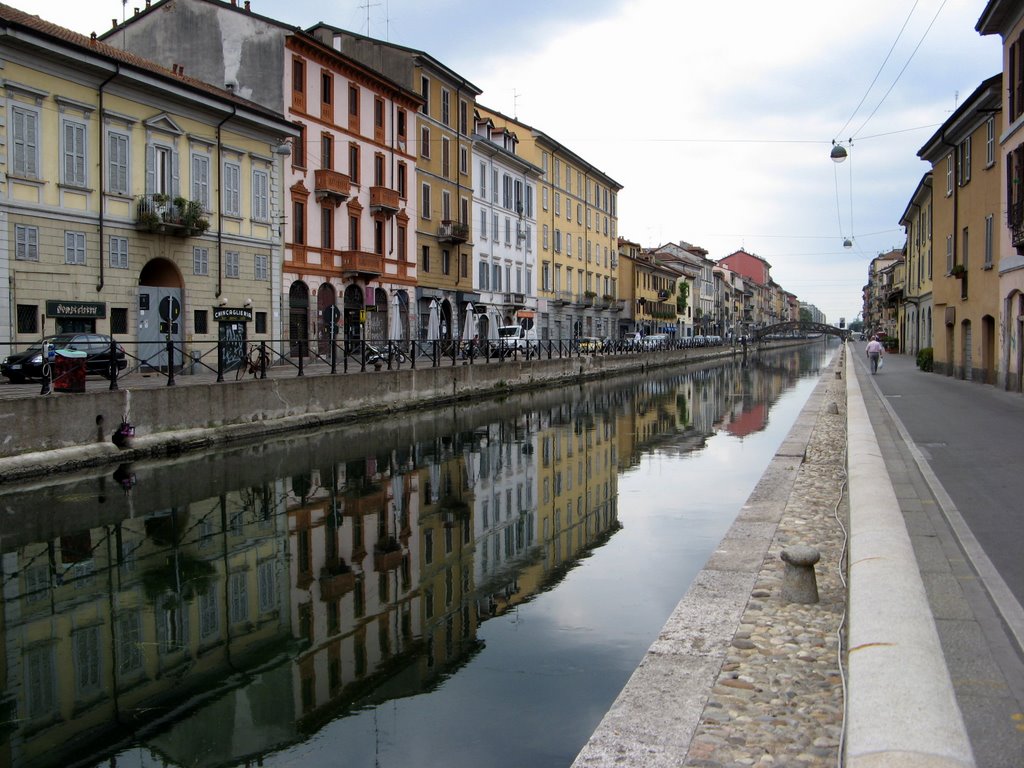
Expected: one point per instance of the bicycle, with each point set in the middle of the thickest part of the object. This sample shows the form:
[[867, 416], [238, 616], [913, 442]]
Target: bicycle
[[255, 362]]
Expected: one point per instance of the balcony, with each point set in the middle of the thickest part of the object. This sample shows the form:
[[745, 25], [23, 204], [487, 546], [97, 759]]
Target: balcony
[[331, 185], [161, 215], [361, 264], [1015, 220], [585, 299], [384, 200], [563, 297], [514, 299], [453, 232], [335, 582]]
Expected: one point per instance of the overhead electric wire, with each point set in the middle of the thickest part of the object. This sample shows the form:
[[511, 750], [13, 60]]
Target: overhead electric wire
[[879, 72], [912, 54]]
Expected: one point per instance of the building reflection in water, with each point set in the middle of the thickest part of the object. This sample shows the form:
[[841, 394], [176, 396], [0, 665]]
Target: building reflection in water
[[218, 608]]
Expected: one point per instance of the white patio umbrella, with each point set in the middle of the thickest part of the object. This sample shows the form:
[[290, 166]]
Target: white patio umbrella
[[434, 323], [469, 327], [395, 321]]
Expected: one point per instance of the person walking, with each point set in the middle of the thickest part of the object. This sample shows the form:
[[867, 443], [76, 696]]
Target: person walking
[[874, 353]]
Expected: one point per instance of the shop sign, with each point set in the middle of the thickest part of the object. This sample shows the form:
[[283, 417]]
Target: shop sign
[[232, 314], [96, 310]]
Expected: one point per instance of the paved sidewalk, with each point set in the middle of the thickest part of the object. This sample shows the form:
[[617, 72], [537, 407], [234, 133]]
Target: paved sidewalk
[[953, 452]]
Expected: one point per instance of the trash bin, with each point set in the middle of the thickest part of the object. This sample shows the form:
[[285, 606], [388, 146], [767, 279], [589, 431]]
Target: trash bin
[[69, 371]]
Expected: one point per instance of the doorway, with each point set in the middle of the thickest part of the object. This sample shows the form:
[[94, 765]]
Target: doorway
[[160, 321]]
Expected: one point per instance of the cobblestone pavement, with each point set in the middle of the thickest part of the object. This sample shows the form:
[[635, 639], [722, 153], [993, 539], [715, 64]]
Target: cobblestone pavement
[[778, 699]]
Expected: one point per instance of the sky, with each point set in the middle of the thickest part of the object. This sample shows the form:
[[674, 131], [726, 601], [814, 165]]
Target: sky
[[716, 118]]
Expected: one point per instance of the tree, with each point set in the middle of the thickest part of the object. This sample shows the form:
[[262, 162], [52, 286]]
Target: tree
[[684, 292], [805, 315]]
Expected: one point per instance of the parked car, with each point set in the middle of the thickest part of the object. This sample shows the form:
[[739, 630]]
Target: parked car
[[656, 341], [515, 340], [590, 344], [28, 364]]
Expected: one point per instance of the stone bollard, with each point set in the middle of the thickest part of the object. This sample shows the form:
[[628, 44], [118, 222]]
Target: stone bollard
[[799, 584]]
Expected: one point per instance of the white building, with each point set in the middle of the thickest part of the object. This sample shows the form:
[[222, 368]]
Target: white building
[[505, 251]]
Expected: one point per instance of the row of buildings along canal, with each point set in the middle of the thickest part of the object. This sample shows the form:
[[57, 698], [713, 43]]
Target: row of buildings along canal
[[331, 568]]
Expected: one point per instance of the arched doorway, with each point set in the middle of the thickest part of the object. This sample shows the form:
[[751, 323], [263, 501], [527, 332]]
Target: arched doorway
[[160, 308], [988, 348], [447, 326], [298, 319], [966, 338], [376, 321], [350, 313], [327, 317]]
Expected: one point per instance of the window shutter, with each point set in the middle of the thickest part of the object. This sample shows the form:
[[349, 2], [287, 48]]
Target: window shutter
[[69, 153], [150, 169], [174, 174]]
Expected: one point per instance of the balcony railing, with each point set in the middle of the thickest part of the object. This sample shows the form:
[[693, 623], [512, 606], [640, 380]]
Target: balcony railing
[[453, 232], [361, 263], [331, 185], [162, 215], [384, 200], [1015, 220], [563, 297]]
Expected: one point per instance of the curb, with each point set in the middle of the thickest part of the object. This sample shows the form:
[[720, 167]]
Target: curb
[[901, 707]]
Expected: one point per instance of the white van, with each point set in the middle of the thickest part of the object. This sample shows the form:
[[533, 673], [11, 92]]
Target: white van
[[516, 340]]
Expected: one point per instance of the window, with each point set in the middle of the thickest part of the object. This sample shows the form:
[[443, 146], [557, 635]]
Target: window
[[990, 141], [353, 163], [545, 237], [232, 189], [299, 147], [326, 151], [445, 106], [26, 142], [949, 174], [266, 586], [86, 652], [378, 236], [463, 118], [482, 277], [298, 75], [200, 261], [558, 204], [949, 254], [231, 261], [446, 205], [425, 201], [261, 268], [529, 238], [545, 276], [558, 241], [529, 201], [378, 170], [401, 180], [118, 247], [73, 152], [425, 263], [261, 322], [425, 142], [353, 233], [26, 243], [425, 93], [446, 152], [260, 195], [118, 320], [463, 160], [508, 231], [988, 240], [74, 248], [378, 114], [483, 224], [238, 597], [496, 277], [201, 180], [327, 226], [299, 222], [326, 88], [446, 265], [483, 180], [963, 162], [401, 235], [353, 100], [209, 614], [117, 164], [544, 198], [200, 321]]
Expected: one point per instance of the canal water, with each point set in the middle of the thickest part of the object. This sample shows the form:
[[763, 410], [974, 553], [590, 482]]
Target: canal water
[[470, 586]]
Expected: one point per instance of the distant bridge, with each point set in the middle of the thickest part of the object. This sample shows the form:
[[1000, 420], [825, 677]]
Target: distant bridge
[[799, 325]]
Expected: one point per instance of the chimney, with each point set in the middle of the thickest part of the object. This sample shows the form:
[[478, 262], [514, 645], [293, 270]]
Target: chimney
[[247, 5], [174, 68], [113, 22], [136, 9]]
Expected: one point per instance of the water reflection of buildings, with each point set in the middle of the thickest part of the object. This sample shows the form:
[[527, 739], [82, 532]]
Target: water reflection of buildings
[[107, 628]]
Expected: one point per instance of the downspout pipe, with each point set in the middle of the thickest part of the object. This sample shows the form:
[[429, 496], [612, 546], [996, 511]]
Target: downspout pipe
[[104, 84], [220, 205]]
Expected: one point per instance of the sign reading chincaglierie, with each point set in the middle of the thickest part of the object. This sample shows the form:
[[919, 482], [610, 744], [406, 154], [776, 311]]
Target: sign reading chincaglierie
[[91, 309], [232, 314]]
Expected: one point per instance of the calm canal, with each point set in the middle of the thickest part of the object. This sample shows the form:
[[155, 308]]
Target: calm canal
[[463, 587]]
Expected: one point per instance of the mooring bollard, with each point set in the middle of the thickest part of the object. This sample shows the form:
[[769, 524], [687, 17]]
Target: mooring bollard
[[799, 584]]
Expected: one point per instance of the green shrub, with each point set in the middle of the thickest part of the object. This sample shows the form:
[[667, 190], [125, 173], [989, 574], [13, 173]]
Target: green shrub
[[926, 359]]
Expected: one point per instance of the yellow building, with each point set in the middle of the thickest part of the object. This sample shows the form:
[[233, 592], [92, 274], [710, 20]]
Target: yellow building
[[578, 291], [916, 330], [1004, 18], [965, 202], [442, 143], [118, 217]]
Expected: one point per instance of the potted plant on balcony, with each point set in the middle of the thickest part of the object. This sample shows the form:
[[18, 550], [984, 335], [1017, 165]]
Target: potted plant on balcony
[[958, 271], [193, 219]]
